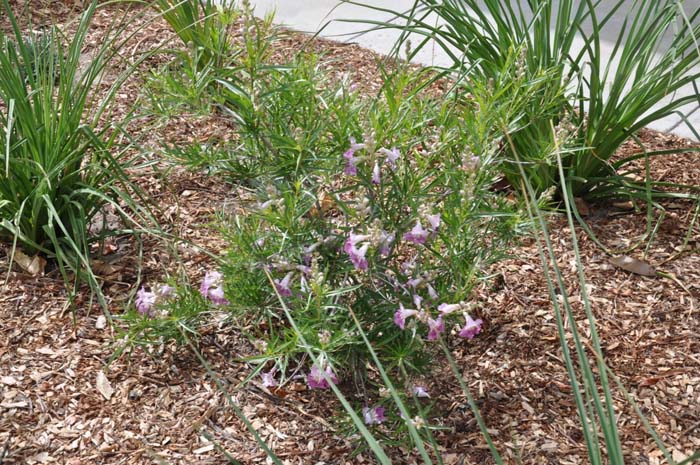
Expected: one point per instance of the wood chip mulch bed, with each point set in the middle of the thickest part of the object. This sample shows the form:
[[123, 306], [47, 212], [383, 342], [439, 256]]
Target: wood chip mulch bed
[[53, 407]]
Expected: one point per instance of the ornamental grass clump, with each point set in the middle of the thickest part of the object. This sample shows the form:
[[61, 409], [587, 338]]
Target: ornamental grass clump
[[602, 97], [59, 168]]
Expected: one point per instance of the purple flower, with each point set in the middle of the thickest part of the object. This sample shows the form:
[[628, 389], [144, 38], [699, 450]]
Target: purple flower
[[375, 174], [417, 235], [417, 300], [212, 288], [352, 241], [268, 378], [471, 329], [373, 416], [217, 297], [414, 282], [282, 286], [446, 309], [385, 244], [401, 314], [431, 292], [349, 155], [145, 301], [357, 256], [315, 378], [434, 221], [435, 328], [165, 291], [351, 165], [391, 156], [420, 391], [354, 146]]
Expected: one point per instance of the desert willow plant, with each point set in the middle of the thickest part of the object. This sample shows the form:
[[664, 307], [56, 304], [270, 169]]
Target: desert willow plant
[[603, 104], [60, 167]]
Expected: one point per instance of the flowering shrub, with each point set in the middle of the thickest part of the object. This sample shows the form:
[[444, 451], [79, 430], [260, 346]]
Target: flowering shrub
[[390, 233], [393, 232]]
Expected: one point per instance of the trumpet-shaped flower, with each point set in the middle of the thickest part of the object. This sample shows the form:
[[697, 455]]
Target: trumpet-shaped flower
[[268, 378], [420, 391], [351, 163], [357, 255], [212, 288], [391, 156], [282, 285], [471, 328], [165, 291], [446, 309], [375, 174], [435, 328], [145, 301], [434, 221], [431, 292], [417, 235], [385, 244], [373, 416], [316, 380], [401, 314]]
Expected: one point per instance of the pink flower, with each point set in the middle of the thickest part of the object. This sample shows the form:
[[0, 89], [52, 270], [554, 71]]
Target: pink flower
[[419, 391], [391, 156], [217, 297], [435, 328], [385, 245], [373, 416], [354, 146], [431, 292], [316, 380], [417, 300], [357, 256], [282, 286], [351, 165], [165, 291], [145, 301], [414, 282], [446, 309], [349, 155], [375, 174], [401, 314], [352, 241], [434, 221], [268, 378], [417, 235], [471, 329], [212, 288]]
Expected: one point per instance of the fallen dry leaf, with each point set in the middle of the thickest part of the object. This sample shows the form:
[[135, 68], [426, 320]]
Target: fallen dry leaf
[[103, 385], [33, 265], [633, 265], [582, 206]]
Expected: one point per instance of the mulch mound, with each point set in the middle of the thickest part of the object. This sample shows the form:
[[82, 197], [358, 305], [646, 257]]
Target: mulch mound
[[56, 406]]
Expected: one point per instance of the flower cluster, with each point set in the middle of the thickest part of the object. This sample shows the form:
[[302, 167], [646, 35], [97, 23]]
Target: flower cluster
[[436, 326], [146, 300], [357, 245], [374, 416], [316, 379], [351, 160], [212, 288]]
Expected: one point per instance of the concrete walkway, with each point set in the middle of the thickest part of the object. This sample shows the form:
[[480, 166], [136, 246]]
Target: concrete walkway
[[311, 15]]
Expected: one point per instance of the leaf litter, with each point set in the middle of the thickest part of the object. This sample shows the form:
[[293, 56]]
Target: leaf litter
[[57, 405]]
